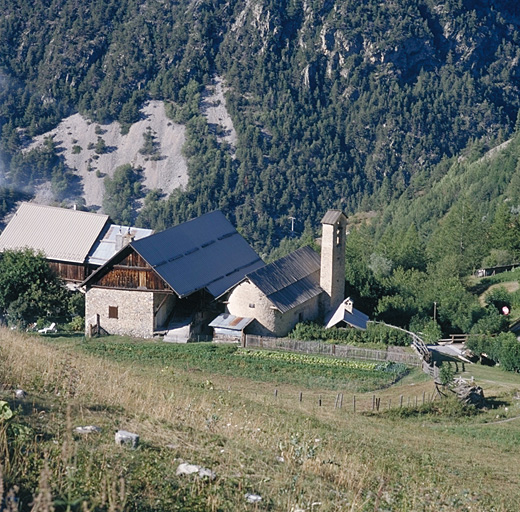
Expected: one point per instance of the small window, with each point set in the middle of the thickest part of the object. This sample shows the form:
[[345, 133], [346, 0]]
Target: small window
[[113, 312], [339, 233], [300, 317], [251, 305]]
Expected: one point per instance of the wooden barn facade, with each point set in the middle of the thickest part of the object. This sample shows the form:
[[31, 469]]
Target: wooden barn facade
[[166, 283], [75, 243]]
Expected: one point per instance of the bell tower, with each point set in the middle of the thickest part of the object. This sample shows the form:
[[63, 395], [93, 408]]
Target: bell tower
[[332, 273]]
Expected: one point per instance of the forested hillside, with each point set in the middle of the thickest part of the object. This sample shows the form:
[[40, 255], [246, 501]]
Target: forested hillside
[[335, 104]]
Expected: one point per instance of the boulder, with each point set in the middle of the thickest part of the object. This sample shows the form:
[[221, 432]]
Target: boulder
[[253, 498], [20, 393], [89, 429], [191, 469], [124, 437]]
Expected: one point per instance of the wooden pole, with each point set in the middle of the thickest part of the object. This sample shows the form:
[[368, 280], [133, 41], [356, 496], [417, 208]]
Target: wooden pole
[[401, 401], [354, 403], [275, 392], [301, 396], [319, 401]]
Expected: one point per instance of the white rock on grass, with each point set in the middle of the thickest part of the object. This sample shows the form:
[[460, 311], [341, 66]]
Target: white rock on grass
[[191, 469], [20, 393], [89, 429], [253, 498], [124, 437]]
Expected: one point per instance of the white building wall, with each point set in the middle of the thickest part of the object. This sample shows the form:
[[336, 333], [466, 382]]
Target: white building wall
[[135, 311]]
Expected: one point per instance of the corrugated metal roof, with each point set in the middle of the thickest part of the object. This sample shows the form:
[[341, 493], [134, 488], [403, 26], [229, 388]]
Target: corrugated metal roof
[[332, 216], [291, 280], [61, 234], [231, 322], [110, 242], [206, 252]]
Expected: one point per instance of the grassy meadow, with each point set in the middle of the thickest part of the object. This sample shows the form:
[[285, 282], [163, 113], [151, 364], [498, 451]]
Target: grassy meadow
[[265, 426]]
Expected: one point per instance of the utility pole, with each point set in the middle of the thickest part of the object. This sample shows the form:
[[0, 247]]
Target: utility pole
[[434, 311]]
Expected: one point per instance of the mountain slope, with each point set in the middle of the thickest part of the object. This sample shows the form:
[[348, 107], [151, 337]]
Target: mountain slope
[[334, 105]]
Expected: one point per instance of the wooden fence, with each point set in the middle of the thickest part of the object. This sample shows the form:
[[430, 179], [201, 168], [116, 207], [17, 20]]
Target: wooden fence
[[343, 351], [356, 403]]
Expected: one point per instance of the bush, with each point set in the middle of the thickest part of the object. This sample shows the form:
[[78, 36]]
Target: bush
[[375, 333], [498, 298], [503, 349], [77, 324], [446, 373]]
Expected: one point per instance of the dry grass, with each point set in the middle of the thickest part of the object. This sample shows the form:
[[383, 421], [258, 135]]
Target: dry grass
[[292, 453]]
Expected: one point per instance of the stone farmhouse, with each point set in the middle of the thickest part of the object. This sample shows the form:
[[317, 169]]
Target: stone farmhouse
[[167, 283], [75, 243], [302, 286]]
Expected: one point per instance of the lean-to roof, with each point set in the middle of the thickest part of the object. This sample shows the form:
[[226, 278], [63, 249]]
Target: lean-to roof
[[111, 241]]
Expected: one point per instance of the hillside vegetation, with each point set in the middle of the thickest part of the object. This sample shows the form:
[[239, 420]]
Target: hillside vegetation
[[339, 104], [295, 455]]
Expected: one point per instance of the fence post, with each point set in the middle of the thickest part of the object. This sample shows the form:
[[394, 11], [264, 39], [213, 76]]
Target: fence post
[[275, 392], [301, 396], [354, 403], [373, 402], [319, 401], [401, 402]]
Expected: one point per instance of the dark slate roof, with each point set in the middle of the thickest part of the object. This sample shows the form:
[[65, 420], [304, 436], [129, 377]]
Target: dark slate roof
[[206, 252], [291, 280], [332, 216]]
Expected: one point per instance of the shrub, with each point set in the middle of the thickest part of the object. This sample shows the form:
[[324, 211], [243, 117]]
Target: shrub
[[498, 298], [375, 333], [503, 349]]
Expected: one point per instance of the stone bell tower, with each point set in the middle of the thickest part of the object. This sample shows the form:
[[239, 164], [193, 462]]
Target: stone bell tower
[[332, 274]]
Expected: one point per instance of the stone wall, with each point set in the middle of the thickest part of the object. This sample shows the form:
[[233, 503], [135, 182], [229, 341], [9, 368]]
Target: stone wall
[[332, 278], [134, 311], [246, 300]]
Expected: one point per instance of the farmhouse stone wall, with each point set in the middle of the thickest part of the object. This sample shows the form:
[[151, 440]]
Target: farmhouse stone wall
[[246, 300], [134, 311]]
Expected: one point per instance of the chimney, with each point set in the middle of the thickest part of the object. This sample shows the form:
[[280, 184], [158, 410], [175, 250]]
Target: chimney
[[332, 273]]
